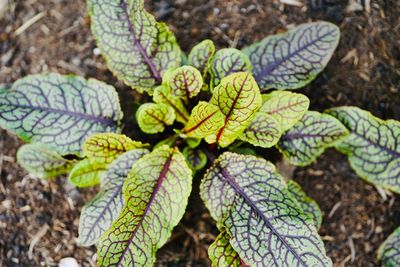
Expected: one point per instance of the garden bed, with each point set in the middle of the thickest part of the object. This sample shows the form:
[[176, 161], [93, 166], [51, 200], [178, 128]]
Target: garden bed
[[39, 219]]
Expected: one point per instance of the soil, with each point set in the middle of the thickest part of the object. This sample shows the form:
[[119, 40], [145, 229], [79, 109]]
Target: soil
[[39, 219]]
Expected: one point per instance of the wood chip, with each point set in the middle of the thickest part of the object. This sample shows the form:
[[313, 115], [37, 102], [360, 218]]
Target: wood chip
[[334, 209], [292, 3], [36, 238]]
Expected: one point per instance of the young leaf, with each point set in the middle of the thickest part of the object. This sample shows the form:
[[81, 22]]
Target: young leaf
[[156, 194], [265, 225], [263, 131], [286, 107], [205, 120], [162, 95], [184, 82], [309, 138], [231, 109], [153, 118], [294, 59], [87, 172], [195, 158], [59, 111], [137, 49], [108, 146], [389, 251], [222, 254], [308, 204], [98, 214], [200, 56], [225, 62], [372, 146], [38, 160]]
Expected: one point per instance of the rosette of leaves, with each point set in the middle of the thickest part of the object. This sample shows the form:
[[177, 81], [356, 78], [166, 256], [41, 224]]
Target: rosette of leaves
[[219, 101]]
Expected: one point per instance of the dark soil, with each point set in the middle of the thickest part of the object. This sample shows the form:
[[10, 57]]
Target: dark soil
[[39, 219]]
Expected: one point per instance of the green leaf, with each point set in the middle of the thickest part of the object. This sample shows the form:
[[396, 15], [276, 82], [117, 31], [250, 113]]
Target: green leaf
[[222, 254], [309, 138], [205, 120], [309, 206], [156, 194], [389, 251], [263, 131], [195, 158], [87, 172], [293, 59], [286, 107], [137, 49], [225, 62], [200, 56], [162, 95], [98, 214], [108, 146], [38, 160], [184, 82], [231, 109], [153, 118], [372, 147], [59, 111], [250, 199]]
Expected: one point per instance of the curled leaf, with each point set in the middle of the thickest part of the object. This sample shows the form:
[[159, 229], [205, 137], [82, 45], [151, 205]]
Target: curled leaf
[[195, 158], [98, 214], [153, 118], [38, 160], [87, 172], [137, 49], [263, 131], [286, 107], [231, 109], [200, 56], [389, 251], [225, 62], [156, 194], [309, 206], [184, 82], [293, 59], [249, 198], [108, 146], [309, 138], [372, 147], [59, 111], [162, 95]]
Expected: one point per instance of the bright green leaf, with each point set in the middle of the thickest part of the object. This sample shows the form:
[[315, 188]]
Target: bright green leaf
[[153, 118], [162, 95], [293, 59], [156, 194], [389, 251], [59, 111], [286, 107], [184, 82], [137, 49], [250, 199], [309, 206], [263, 131], [309, 138], [87, 172], [222, 254], [231, 109], [38, 160], [98, 214], [373, 146], [200, 56], [108, 146], [225, 62], [195, 158]]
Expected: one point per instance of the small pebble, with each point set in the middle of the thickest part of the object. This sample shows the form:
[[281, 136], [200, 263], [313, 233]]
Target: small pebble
[[96, 51], [68, 262]]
